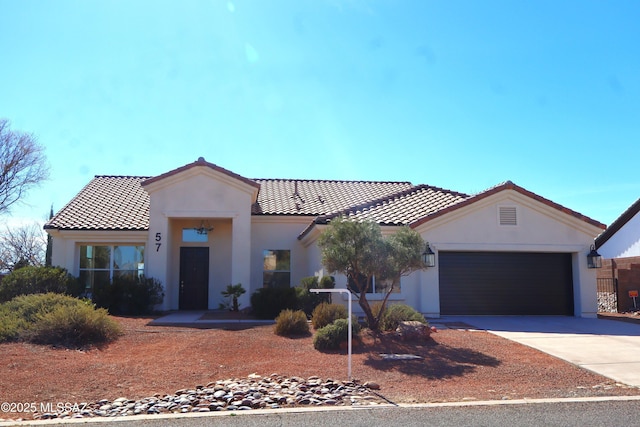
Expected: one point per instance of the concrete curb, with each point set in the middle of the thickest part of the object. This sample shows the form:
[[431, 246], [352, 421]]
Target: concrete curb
[[401, 406]]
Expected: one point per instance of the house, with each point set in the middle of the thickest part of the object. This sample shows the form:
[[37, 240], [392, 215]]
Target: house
[[619, 278], [200, 227], [621, 239]]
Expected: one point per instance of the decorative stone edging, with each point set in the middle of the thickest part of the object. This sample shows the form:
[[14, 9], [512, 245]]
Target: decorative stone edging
[[253, 392]]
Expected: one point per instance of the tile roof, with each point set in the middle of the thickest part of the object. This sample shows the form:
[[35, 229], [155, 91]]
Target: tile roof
[[405, 207], [312, 198], [121, 202], [106, 203]]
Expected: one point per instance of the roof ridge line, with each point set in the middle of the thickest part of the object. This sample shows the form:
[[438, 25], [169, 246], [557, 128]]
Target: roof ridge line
[[373, 203], [124, 176], [332, 180], [457, 193]]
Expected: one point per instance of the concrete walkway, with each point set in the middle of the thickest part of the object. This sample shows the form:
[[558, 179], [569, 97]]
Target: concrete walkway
[[194, 319], [606, 347]]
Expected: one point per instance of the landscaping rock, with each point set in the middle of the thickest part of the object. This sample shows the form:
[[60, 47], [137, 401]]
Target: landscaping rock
[[413, 330], [253, 392]]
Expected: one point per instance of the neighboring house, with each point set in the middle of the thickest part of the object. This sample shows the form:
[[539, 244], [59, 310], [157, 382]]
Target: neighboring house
[[621, 239], [200, 227], [619, 277]]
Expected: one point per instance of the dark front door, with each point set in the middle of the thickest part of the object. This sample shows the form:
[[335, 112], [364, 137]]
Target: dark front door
[[194, 278]]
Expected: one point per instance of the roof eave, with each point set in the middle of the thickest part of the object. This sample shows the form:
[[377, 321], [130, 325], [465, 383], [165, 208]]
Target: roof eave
[[502, 187], [616, 225], [201, 162]]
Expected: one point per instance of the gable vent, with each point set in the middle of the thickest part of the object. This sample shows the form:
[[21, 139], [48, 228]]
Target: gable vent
[[508, 215]]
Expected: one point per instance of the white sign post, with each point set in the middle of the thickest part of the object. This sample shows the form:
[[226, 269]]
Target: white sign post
[[342, 291]]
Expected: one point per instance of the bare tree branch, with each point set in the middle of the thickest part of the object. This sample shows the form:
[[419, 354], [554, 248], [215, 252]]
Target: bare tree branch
[[20, 246], [23, 165]]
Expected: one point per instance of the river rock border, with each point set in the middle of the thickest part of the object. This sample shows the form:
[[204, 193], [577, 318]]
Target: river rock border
[[253, 392]]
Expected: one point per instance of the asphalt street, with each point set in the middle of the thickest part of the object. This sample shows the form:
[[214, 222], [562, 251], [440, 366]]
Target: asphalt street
[[533, 413]]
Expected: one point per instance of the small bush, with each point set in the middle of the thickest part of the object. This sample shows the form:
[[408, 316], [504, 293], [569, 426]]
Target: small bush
[[129, 295], [267, 303], [325, 314], [38, 280], [29, 307], [74, 326], [291, 322], [57, 320], [331, 336], [396, 313], [232, 293]]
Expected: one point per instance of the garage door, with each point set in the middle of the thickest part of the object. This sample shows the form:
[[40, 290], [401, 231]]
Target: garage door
[[505, 283]]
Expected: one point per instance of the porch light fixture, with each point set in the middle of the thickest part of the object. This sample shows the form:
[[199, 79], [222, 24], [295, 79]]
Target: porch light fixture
[[594, 259], [428, 256], [204, 228]]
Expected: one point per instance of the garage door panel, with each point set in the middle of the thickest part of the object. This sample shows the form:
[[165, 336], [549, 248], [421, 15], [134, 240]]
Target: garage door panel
[[505, 283]]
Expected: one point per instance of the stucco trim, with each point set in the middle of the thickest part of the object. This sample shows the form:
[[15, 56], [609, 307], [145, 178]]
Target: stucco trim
[[166, 179], [102, 236]]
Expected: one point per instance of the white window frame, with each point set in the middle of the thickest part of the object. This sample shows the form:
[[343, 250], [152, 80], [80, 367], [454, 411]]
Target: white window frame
[[110, 269]]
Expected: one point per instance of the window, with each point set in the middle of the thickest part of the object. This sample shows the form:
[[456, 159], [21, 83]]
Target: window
[[100, 264], [192, 235], [276, 269], [376, 287]]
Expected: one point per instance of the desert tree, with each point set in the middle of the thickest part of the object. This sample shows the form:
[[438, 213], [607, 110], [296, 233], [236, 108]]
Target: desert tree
[[359, 251], [22, 246], [23, 165]]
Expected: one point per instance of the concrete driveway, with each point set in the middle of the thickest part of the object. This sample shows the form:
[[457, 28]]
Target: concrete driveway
[[607, 347]]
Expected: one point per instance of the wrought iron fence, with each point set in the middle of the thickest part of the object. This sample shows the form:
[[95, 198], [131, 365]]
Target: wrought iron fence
[[607, 295]]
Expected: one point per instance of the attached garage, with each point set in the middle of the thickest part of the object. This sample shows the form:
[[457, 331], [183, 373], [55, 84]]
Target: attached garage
[[505, 283]]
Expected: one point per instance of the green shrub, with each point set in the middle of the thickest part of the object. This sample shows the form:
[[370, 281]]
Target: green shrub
[[396, 313], [38, 280], [325, 314], [291, 322], [308, 301], [331, 336], [74, 326], [10, 325], [28, 308], [267, 303], [129, 295], [57, 320]]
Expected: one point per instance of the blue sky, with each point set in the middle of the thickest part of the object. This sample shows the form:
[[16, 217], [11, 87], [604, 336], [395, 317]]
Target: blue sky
[[458, 94]]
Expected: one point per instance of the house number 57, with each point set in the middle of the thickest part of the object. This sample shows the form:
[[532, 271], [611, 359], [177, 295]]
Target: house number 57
[[158, 241]]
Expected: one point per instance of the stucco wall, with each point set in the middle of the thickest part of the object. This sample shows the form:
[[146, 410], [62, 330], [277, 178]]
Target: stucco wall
[[275, 233]]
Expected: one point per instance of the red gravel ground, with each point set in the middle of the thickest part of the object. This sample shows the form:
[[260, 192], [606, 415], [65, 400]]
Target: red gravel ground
[[459, 364]]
